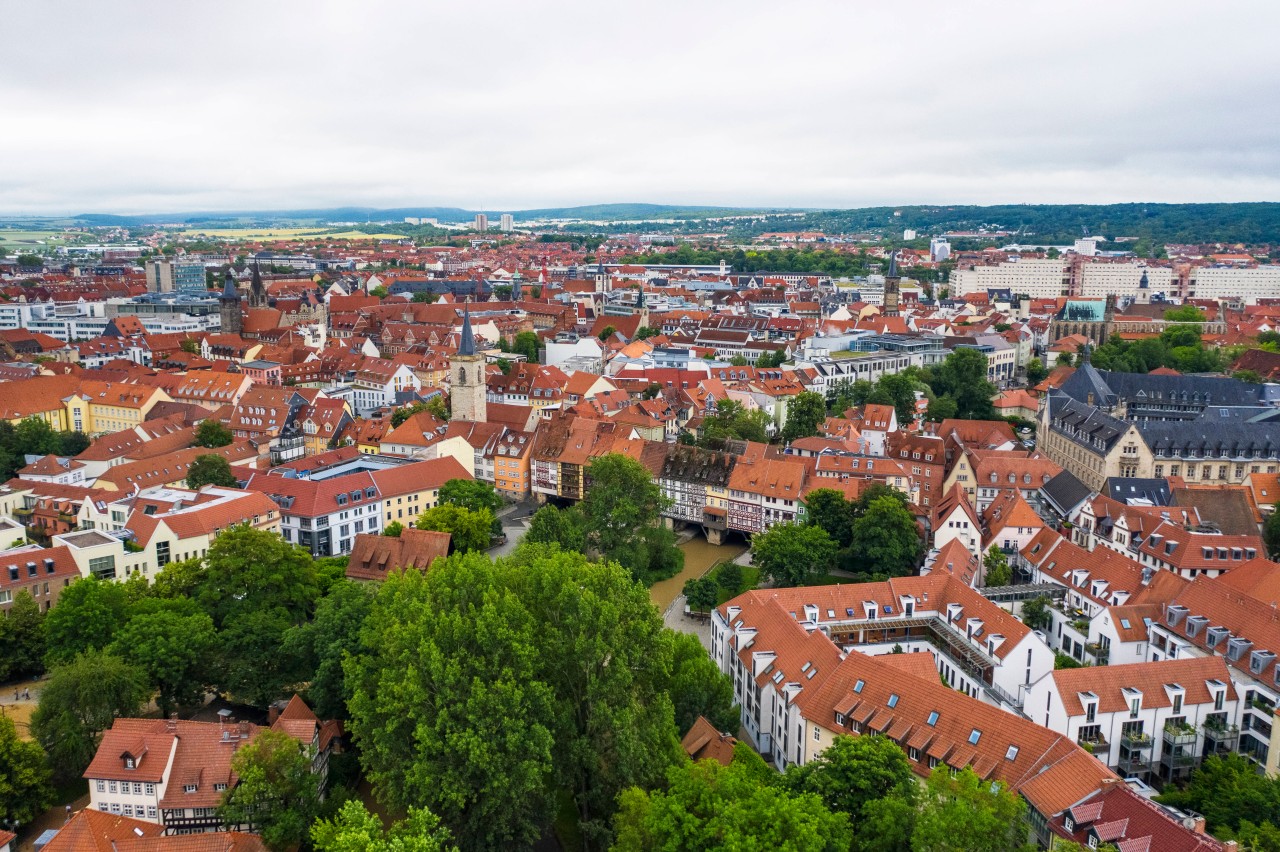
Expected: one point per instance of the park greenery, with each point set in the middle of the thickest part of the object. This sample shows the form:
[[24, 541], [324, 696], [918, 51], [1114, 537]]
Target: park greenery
[[34, 436], [1236, 801], [1178, 347], [619, 520]]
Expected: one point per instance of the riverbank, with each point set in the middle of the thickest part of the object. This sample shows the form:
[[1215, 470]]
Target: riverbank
[[699, 557]]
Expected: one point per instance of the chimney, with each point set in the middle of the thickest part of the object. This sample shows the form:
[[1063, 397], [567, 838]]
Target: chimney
[[244, 730], [1230, 846], [273, 713], [1197, 825]]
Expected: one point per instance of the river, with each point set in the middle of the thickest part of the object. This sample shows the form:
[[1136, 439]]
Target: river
[[698, 557]]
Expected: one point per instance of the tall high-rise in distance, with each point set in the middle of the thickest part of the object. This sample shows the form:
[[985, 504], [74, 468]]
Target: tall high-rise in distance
[[507, 223], [481, 223]]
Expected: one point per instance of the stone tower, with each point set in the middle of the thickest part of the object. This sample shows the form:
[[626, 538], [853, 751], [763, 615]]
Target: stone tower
[[229, 306], [467, 385], [257, 292], [891, 282]]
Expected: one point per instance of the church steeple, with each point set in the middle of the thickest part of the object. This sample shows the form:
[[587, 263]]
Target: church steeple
[[229, 306], [891, 284], [467, 345], [257, 292], [467, 386]]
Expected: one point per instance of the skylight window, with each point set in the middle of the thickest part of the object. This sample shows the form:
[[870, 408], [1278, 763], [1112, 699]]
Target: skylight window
[[1012, 753], [974, 736], [857, 687], [893, 700], [933, 718]]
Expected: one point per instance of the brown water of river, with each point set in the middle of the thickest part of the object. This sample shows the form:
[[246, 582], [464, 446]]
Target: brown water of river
[[699, 556]]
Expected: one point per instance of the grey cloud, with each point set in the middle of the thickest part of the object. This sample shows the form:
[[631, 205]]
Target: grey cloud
[[142, 106]]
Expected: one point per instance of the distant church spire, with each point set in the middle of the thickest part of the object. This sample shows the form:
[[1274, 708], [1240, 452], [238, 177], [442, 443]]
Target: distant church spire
[[467, 346]]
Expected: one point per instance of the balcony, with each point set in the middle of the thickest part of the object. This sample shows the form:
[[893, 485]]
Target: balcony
[[1133, 764], [1178, 760], [1136, 740], [1179, 735], [1220, 738], [1092, 743]]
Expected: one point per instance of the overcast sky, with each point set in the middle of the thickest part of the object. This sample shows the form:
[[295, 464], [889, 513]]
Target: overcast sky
[[179, 106]]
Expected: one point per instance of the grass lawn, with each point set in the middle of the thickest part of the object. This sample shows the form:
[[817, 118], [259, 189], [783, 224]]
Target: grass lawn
[[18, 239], [750, 579]]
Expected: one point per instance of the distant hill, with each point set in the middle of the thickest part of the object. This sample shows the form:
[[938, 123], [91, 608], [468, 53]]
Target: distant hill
[[1149, 225], [444, 214]]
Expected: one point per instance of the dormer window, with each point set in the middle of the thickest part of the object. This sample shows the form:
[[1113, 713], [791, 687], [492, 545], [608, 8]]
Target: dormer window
[[188, 788], [130, 763], [1259, 660], [1195, 623], [1237, 647], [1216, 635]]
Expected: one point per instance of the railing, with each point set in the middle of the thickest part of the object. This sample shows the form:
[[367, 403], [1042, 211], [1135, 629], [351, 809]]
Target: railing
[[1179, 735], [1136, 740], [1134, 763], [1179, 760]]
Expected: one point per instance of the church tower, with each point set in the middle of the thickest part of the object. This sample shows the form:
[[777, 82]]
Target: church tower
[[229, 306], [257, 292], [467, 388], [891, 282], [604, 281]]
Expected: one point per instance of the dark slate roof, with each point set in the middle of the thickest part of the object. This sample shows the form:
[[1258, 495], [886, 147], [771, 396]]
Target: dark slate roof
[[1086, 380], [468, 344], [229, 289], [1084, 423], [1154, 491], [1083, 310], [1197, 437], [1064, 492], [1205, 389]]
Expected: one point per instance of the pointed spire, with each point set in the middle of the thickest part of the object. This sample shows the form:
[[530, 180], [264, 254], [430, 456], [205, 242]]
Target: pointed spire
[[229, 288], [893, 264], [467, 346], [256, 281]]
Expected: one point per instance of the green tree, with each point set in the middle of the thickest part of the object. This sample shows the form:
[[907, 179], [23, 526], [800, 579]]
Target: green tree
[[404, 412], [173, 650], [967, 814], [26, 788], [210, 469], [251, 666], [423, 298], [709, 806], [885, 539], [731, 579], [1271, 533], [277, 792], [354, 829], [212, 434], [701, 593], [1184, 313], [72, 443], [179, 579], [622, 510], [963, 376], [36, 437], [393, 529], [22, 641], [190, 345], [791, 554], [998, 571], [730, 421], [379, 292], [1036, 372], [805, 413], [251, 571], [469, 530], [738, 361], [941, 408], [1227, 789], [607, 332], [324, 642], [88, 614], [572, 648], [553, 525], [868, 778], [1036, 613], [698, 687], [828, 508], [80, 701], [527, 343], [475, 495]]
